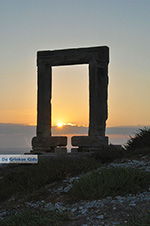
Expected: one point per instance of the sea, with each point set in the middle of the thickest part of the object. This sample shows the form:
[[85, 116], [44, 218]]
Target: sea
[[117, 139]]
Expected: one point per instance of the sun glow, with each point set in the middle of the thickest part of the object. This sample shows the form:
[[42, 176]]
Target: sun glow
[[60, 124]]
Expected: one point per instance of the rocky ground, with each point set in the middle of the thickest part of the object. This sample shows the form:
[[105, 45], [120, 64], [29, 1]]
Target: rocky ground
[[109, 211]]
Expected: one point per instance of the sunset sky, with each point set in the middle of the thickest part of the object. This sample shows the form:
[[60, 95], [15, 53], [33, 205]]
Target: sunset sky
[[27, 26]]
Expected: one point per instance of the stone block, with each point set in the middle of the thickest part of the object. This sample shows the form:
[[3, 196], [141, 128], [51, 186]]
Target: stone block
[[47, 142], [61, 150], [74, 150], [42, 150], [89, 141]]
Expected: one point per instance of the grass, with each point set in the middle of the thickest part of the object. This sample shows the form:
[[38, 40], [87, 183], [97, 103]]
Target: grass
[[34, 217], [110, 182], [27, 179]]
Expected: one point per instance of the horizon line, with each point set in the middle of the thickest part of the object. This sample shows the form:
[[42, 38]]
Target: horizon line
[[68, 125]]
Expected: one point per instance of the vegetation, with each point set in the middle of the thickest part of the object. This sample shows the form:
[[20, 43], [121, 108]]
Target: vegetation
[[96, 183], [29, 178], [109, 153], [35, 217], [110, 182], [140, 140], [139, 220], [136, 146]]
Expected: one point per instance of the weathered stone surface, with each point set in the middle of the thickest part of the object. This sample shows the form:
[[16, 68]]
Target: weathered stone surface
[[42, 150], [89, 141], [98, 83], [44, 101], [46, 142], [60, 150], [99, 54]]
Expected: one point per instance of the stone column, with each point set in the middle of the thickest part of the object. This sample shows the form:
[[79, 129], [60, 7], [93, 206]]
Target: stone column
[[44, 101], [98, 85], [44, 142]]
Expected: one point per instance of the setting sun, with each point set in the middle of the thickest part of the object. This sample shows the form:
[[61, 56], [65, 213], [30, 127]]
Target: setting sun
[[60, 124]]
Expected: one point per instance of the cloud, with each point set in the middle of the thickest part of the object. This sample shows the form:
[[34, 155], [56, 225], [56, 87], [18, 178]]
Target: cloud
[[122, 130], [69, 129]]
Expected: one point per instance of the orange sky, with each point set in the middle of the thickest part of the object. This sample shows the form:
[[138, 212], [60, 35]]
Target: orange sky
[[127, 106]]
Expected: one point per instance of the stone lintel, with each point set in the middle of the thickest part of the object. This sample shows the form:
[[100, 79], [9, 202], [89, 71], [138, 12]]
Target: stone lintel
[[89, 141], [47, 142], [98, 54]]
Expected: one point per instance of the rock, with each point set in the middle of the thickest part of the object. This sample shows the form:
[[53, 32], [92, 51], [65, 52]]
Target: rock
[[50, 206], [73, 210], [66, 189], [100, 217], [83, 211], [3, 214], [132, 204]]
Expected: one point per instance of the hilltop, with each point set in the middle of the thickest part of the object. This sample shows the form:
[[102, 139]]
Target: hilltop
[[111, 187]]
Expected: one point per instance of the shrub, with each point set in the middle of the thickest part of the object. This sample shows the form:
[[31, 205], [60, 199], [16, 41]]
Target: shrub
[[110, 182], [140, 140], [109, 153]]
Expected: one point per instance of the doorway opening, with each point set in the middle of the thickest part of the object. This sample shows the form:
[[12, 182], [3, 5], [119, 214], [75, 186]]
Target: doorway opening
[[70, 101]]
